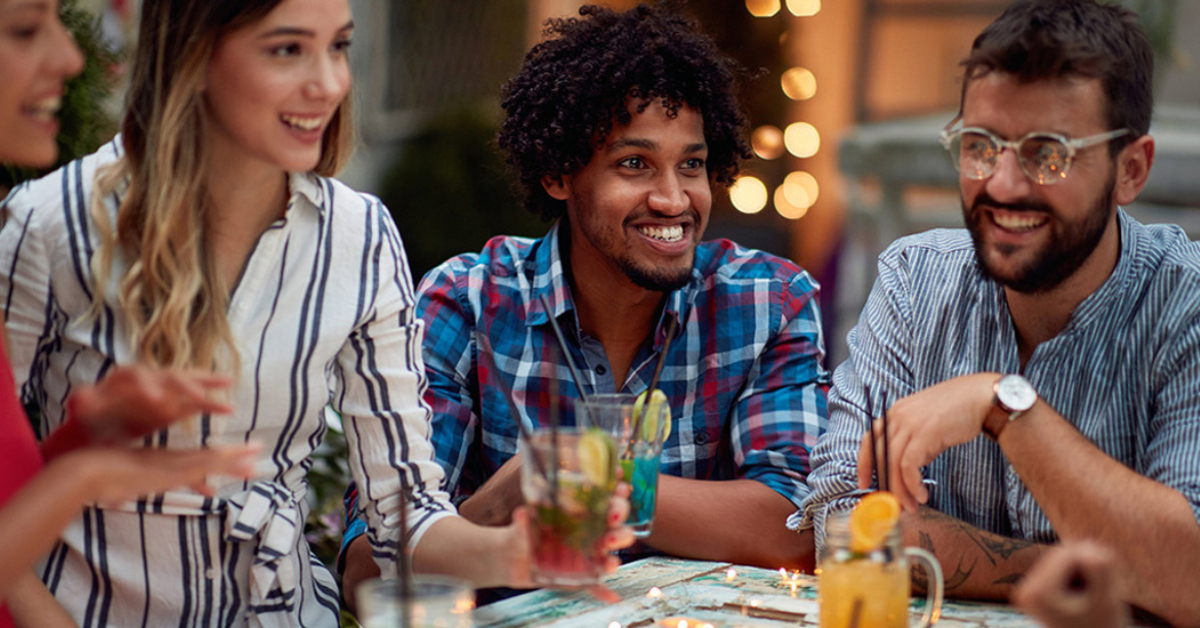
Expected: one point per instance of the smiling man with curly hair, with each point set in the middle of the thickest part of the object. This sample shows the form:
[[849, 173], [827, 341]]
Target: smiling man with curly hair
[[620, 125]]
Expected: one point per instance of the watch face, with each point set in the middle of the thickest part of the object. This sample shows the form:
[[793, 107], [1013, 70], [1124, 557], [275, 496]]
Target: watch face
[[1015, 393]]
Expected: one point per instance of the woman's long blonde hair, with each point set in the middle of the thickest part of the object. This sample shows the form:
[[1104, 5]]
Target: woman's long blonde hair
[[170, 295]]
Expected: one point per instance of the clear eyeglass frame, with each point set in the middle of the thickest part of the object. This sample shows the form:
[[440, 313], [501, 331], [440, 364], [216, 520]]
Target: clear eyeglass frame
[[1044, 157]]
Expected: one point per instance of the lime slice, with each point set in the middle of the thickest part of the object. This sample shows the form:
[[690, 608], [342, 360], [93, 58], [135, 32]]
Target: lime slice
[[650, 421], [596, 456]]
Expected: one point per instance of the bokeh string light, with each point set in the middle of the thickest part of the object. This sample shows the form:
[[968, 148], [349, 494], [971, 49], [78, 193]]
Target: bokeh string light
[[799, 83], [767, 142], [804, 8], [762, 8], [799, 190], [748, 194], [802, 139]]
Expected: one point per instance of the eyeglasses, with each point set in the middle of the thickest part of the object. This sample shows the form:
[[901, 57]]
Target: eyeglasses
[[1044, 157]]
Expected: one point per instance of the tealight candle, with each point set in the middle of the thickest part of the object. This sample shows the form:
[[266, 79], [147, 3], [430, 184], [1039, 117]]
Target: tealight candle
[[684, 622]]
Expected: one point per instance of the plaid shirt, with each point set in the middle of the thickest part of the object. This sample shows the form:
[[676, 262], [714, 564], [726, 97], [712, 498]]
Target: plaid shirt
[[743, 377]]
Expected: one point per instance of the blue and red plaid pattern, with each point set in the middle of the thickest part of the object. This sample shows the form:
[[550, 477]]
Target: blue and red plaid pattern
[[744, 376]]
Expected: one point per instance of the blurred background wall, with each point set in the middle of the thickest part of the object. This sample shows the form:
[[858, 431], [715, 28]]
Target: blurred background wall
[[844, 113]]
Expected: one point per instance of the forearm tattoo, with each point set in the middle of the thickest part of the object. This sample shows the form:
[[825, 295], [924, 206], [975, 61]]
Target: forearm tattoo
[[994, 548]]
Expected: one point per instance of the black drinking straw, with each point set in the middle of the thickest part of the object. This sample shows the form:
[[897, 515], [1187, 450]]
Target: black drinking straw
[[403, 561], [486, 353], [887, 459], [555, 464], [871, 430], [562, 345], [856, 612], [662, 358]]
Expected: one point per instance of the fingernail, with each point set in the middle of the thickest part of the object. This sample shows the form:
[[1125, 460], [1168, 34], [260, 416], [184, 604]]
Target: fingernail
[[613, 518]]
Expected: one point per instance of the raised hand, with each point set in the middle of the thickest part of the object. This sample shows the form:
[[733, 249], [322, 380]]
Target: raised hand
[[112, 475], [133, 401], [520, 558]]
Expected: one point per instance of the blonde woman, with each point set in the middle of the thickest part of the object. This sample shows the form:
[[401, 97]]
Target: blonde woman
[[209, 235], [41, 491]]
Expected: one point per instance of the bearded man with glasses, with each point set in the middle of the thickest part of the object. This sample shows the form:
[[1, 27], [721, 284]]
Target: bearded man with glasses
[[1044, 363]]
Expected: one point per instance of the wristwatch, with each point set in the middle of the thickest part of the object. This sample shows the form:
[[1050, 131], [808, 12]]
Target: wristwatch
[[1014, 396]]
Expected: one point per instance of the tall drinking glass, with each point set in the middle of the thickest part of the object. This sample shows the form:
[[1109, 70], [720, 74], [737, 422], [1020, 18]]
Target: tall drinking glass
[[871, 590], [434, 602], [568, 525], [639, 452]]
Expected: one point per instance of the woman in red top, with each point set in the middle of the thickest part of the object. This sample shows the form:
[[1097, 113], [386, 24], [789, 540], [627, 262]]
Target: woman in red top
[[41, 490]]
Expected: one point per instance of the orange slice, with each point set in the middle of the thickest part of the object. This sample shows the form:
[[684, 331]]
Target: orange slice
[[872, 521]]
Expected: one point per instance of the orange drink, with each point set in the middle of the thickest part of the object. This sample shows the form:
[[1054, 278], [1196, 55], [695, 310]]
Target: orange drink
[[864, 575]]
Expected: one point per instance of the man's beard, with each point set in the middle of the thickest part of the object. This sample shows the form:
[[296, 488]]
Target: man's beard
[[1069, 247], [658, 279]]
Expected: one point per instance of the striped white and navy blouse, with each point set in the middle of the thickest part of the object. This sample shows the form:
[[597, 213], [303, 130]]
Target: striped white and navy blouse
[[1125, 372], [323, 320]]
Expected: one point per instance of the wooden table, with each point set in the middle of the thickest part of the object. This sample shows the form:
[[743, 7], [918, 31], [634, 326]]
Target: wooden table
[[748, 598]]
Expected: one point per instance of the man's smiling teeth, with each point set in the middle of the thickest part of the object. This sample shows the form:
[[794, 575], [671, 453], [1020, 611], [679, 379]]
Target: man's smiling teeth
[[1019, 221], [666, 234], [45, 108], [304, 124]]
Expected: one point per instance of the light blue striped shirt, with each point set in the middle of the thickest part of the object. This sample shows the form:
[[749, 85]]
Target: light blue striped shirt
[[1125, 371]]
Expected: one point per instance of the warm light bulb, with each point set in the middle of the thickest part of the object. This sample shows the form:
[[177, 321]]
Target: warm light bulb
[[803, 182], [767, 142], [748, 195], [762, 8], [799, 83], [802, 139], [786, 208], [804, 8]]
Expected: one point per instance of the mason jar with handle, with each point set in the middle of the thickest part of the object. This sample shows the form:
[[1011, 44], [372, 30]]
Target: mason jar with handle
[[871, 589]]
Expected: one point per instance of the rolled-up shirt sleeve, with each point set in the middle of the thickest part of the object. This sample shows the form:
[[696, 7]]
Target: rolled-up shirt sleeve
[[782, 409], [877, 362], [387, 422]]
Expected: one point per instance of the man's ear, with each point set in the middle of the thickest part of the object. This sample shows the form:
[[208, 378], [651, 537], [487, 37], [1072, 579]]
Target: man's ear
[[557, 187], [1133, 168]]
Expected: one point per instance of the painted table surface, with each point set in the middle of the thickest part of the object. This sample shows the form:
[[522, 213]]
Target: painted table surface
[[753, 598]]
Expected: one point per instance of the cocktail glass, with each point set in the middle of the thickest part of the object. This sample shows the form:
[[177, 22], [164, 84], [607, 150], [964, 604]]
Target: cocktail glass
[[639, 452], [871, 589], [434, 602], [568, 525]]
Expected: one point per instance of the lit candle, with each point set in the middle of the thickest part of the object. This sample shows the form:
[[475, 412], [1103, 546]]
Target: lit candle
[[683, 622], [730, 574], [654, 592]]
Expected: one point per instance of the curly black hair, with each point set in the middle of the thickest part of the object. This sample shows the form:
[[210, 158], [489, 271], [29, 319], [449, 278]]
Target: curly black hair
[[562, 104]]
